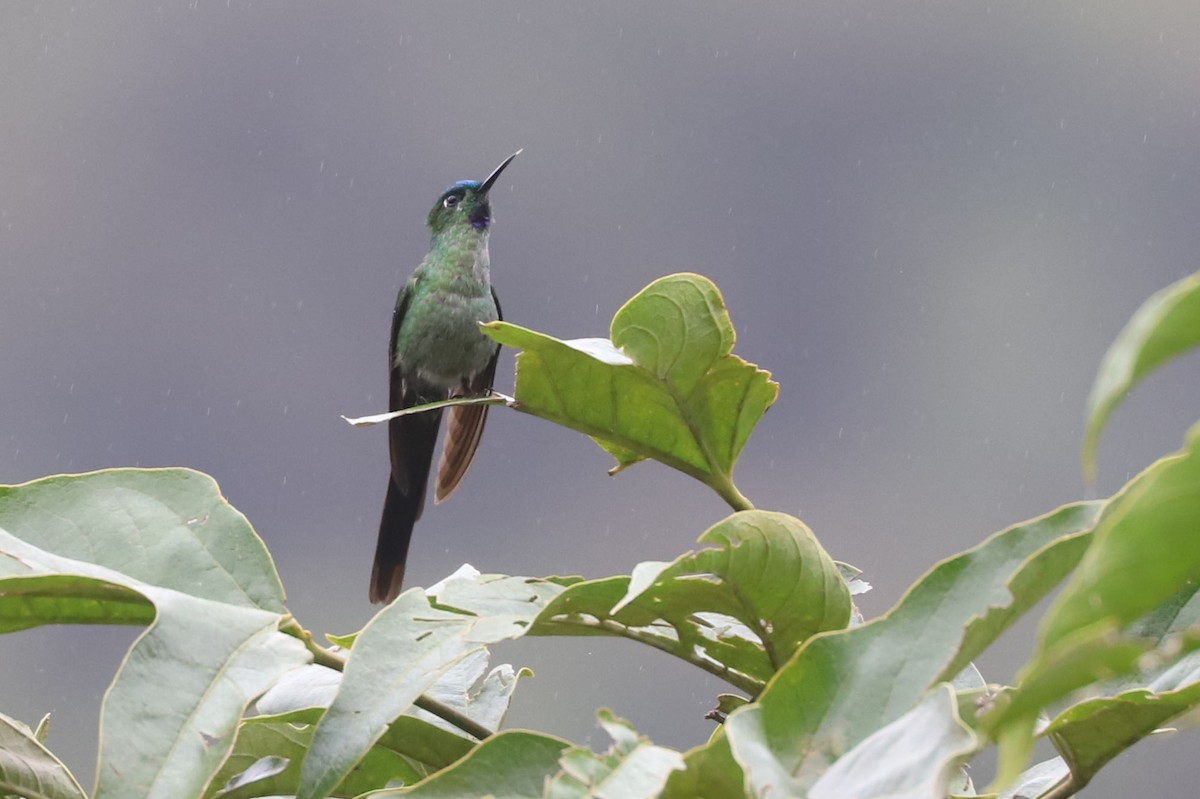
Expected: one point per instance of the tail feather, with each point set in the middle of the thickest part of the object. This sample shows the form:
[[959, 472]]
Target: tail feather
[[413, 440], [463, 431], [391, 549]]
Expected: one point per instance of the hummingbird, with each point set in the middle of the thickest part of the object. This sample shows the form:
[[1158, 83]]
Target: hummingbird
[[437, 352]]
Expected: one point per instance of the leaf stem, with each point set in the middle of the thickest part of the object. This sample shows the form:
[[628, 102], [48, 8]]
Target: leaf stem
[[454, 717], [736, 679], [321, 656], [723, 485], [337, 661]]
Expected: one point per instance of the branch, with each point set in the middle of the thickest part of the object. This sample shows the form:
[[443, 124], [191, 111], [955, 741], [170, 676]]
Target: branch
[[337, 661]]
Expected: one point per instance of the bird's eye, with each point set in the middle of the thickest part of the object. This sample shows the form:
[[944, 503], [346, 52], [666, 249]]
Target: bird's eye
[[451, 201]]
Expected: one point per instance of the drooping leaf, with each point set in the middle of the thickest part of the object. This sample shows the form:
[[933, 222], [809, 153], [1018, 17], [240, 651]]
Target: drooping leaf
[[28, 769], [130, 546], [171, 716], [1165, 326]]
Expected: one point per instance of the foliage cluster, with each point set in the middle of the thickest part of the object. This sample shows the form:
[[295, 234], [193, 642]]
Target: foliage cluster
[[224, 694]]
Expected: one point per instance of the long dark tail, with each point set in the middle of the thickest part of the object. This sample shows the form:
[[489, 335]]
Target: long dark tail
[[413, 439]]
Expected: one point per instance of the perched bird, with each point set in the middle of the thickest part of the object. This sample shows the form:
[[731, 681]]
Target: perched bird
[[436, 352]]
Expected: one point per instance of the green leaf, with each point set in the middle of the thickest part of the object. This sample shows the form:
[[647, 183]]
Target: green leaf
[[259, 772], [709, 771], [624, 457], [1037, 779], [472, 690], [170, 716], [729, 650], [739, 608], [676, 328], [1175, 615], [510, 764], [28, 769], [1144, 552], [466, 687], [42, 731], [1167, 325], [426, 747], [166, 527], [843, 686], [1070, 532], [310, 686], [1092, 732], [1145, 549], [915, 757], [632, 768], [767, 570], [673, 392], [402, 652], [727, 703], [268, 752], [34, 600], [410, 750], [1091, 655]]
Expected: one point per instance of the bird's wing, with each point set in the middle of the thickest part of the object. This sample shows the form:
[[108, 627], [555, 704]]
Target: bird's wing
[[411, 441], [465, 426], [399, 397]]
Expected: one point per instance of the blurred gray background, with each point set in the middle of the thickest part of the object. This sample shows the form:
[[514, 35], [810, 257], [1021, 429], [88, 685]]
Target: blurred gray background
[[929, 220]]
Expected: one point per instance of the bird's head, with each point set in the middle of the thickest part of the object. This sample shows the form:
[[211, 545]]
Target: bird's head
[[466, 202]]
